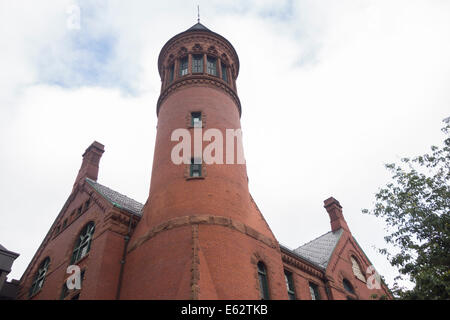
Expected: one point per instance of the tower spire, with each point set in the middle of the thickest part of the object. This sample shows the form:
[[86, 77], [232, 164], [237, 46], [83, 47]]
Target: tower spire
[[198, 13]]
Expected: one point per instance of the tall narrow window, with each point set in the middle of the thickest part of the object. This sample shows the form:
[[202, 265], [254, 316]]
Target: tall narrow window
[[211, 66], [314, 290], [83, 244], [263, 285], [196, 167], [39, 277], [171, 72], [348, 286], [197, 63], [289, 285], [224, 73], [184, 66], [196, 119]]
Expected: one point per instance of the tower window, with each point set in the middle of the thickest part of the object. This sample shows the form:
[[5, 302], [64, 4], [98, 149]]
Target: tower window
[[196, 167], [83, 244], [211, 66], [39, 277], [197, 63], [263, 285], [171, 72], [314, 290], [196, 119], [289, 284], [184, 66], [224, 73]]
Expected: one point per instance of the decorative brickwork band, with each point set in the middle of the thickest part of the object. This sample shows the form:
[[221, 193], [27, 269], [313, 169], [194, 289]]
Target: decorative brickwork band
[[208, 220]]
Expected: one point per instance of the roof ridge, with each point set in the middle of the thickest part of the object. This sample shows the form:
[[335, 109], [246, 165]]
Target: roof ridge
[[313, 239]]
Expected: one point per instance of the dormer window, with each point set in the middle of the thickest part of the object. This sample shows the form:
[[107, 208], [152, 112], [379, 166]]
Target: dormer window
[[184, 66], [211, 64], [196, 119], [197, 63]]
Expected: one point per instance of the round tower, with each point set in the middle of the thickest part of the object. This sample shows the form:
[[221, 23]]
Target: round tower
[[201, 235]]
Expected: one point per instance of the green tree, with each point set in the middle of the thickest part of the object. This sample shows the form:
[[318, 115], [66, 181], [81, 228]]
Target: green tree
[[416, 209]]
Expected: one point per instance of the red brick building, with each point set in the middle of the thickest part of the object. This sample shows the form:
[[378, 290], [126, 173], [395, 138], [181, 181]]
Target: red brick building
[[200, 235]]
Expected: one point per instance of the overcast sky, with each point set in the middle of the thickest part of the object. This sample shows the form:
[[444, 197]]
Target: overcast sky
[[330, 91]]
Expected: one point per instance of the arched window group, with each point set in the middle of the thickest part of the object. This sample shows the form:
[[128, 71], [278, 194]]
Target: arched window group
[[197, 63]]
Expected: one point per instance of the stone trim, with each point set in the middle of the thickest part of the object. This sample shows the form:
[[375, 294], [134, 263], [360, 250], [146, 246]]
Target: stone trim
[[198, 80], [208, 220]]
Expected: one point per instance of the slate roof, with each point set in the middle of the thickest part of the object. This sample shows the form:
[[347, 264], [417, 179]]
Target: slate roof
[[117, 199], [319, 250], [198, 26]]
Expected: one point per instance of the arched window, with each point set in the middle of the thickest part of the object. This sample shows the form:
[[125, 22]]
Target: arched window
[[263, 285], [356, 269], [83, 243], [39, 277], [348, 286]]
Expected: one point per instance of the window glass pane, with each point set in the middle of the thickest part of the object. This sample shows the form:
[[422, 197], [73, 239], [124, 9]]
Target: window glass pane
[[211, 66], [184, 66], [171, 72], [224, 73], [289, 285], [314, 290], [197, 63], [263, 285], [195, 168], [196, 119]]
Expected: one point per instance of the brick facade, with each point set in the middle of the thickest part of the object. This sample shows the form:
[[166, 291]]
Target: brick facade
[[196, 238]]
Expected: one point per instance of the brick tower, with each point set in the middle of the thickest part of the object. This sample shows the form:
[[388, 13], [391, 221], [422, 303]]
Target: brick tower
[[201, 235]]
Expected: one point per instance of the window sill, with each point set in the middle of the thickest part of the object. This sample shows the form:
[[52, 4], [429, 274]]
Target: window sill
[[195, 178]]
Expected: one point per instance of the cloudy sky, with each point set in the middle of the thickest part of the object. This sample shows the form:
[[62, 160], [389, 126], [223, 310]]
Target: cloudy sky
[[330, 91]]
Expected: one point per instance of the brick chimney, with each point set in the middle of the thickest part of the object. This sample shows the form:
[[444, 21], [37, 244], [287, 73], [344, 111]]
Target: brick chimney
[[90, 164], [334, 210]]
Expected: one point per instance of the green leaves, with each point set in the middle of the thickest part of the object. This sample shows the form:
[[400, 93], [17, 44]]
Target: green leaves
[[416, 209]]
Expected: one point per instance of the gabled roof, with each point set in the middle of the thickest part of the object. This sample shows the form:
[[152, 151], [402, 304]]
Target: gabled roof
[[117, 199], [319, 250]]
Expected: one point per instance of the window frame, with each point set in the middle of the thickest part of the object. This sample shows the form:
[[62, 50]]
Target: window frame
[[197, 63], [263, 281], [84, 240], [314, 291], [224, 70], [196, 115], [39, 277], [184, 66], [211, 66], [198, 169], [290, 285]]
